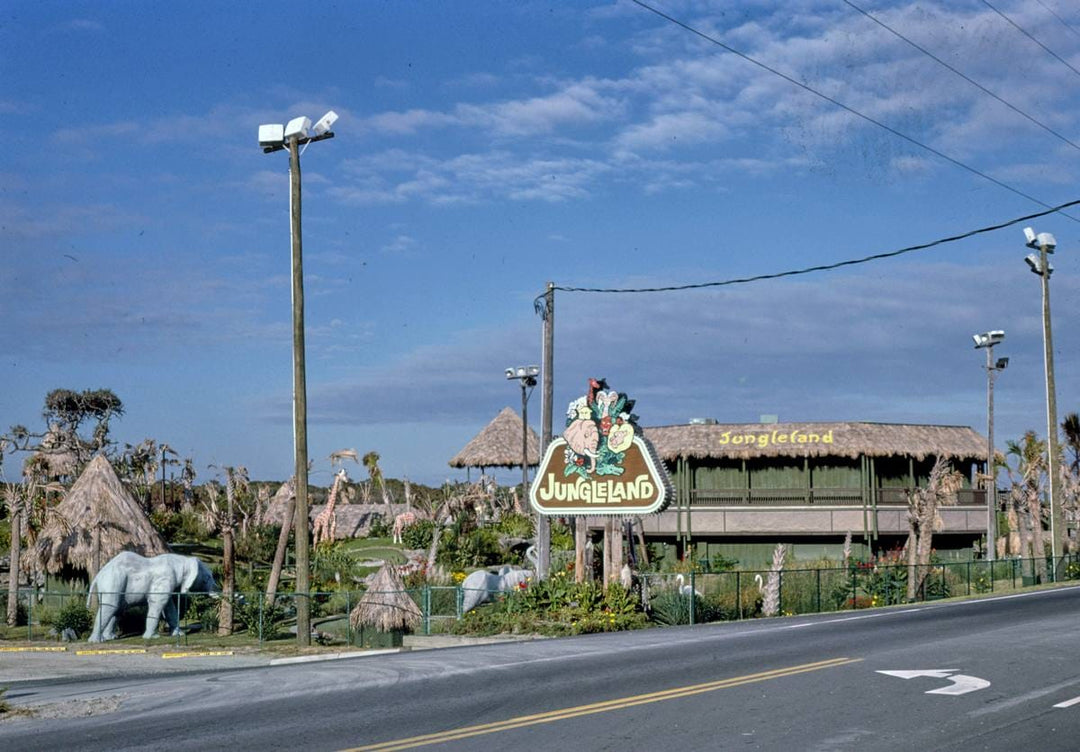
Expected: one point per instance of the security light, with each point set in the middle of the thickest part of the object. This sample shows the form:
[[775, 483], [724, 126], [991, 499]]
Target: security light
[[298, 127], [325, 123], [1043, 240], [523, 372], [1001, 364], [988, 339], [271, 135], [1036, 265]]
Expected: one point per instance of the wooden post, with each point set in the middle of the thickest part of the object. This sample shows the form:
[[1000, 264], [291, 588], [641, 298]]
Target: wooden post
[[609, 546], [580, 534]]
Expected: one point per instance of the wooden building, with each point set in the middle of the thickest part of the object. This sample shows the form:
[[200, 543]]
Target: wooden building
[[742, 488]]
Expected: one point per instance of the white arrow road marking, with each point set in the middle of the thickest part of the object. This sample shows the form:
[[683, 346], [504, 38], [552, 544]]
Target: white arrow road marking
[[961, 683], [1068, 703]]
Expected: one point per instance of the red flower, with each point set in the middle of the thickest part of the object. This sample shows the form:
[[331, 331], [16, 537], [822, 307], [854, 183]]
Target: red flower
[[579, 461]]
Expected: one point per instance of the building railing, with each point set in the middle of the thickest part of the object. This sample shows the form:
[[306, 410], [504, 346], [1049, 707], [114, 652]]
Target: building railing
[[841, 497]]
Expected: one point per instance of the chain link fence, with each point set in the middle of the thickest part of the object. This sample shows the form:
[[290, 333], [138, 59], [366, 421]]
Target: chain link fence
[[670, 599]]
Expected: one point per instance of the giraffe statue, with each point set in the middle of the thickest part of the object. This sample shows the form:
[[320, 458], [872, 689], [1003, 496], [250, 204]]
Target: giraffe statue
[[326, 523]]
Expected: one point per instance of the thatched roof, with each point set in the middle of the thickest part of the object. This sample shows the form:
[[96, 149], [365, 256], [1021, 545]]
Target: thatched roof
[[96, 520], [850, 440], [499, 444], [386, 606]]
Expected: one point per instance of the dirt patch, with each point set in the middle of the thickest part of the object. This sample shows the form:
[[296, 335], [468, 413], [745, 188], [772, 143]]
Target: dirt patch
[[70, 709]]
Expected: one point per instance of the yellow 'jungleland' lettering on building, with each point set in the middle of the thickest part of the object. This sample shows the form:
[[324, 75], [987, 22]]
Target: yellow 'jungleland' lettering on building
[[762, 439]]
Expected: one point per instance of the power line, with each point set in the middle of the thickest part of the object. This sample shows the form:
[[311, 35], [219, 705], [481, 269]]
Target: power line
[[971, 81], [1064, 23], [824, 267], [841, 105], [1019, 28]]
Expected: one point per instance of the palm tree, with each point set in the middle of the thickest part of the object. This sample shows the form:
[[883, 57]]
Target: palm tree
[[1027, 478], [237, 484], [371, 462], [1071, 427]]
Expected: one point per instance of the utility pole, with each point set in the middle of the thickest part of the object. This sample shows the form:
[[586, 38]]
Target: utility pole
[[543, 524], [1046, 243], [303, 571]]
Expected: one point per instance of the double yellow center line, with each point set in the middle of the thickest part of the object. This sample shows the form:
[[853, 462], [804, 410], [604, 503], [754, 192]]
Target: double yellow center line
[[598, 707]]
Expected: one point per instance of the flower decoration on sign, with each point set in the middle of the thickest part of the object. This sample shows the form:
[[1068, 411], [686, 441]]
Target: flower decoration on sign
[[600, 427]]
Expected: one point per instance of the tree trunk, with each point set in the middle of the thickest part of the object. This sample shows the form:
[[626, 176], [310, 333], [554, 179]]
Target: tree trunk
[[279, 555], [912, 560], [225, 612], [13, 575], [1038, 552]]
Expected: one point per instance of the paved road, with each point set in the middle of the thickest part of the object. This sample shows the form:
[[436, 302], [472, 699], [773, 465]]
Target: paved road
[[1012, 665]]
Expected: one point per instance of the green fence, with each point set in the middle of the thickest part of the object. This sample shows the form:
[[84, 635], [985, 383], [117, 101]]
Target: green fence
[[670, 599]]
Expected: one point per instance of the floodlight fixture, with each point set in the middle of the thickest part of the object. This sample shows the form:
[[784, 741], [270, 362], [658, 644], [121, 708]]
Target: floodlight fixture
[[523, 372], [527, 376], [988, 339], [325, 123], [271, 135], [299, 127], [1029, 234], [1001, 364], [1035, 263]]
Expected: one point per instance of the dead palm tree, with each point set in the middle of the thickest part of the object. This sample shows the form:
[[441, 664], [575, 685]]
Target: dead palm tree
[[1027, 479], [924, 518]]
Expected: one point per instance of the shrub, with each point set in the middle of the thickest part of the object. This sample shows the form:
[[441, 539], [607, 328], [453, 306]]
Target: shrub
[[418, 535], [258, 543], [254, 615], [74, 616], [515, 525], [379, 527], [479, 548]]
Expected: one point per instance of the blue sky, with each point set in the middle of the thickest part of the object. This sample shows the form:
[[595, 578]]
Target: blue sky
[[487, 148]]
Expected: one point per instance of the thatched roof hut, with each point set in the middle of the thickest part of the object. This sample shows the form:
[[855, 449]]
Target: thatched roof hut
[[386, 606], [841, 439], [96, 520], [499, 444]]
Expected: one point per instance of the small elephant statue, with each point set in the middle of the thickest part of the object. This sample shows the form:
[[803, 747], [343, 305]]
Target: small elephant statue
[[128, 579], [480, 586]]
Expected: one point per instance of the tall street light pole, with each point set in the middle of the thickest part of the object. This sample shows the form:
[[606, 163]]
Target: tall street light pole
[[1040, 265], [987, 341], [277, 138]]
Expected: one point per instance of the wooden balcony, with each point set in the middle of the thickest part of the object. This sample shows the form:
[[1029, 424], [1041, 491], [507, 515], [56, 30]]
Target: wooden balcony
[[821, 497]]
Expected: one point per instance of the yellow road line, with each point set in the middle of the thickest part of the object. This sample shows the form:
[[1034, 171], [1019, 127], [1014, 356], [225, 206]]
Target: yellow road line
[[33, 650], [597, 707], [197, 655], [124, 651]]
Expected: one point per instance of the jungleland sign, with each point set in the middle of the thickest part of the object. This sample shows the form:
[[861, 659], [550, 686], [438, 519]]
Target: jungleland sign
[[601, 465]]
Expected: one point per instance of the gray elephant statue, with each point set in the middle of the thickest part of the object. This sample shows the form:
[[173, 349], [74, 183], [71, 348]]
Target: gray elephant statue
[[481, 586], [129, 579]]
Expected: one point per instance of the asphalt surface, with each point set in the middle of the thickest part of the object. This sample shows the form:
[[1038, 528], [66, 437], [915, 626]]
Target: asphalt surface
[[803, 683]]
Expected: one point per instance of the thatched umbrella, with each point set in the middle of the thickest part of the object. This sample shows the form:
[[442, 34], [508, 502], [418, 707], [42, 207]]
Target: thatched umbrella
[[499, 444], [96, 520], [386, 606]]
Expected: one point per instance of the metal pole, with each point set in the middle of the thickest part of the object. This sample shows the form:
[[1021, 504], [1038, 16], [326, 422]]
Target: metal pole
[[303, 581], [1057, 521], [991, 468], [524, 439]]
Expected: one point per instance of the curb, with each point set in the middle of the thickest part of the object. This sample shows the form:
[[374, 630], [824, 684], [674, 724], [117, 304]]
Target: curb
[[331, 656]]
